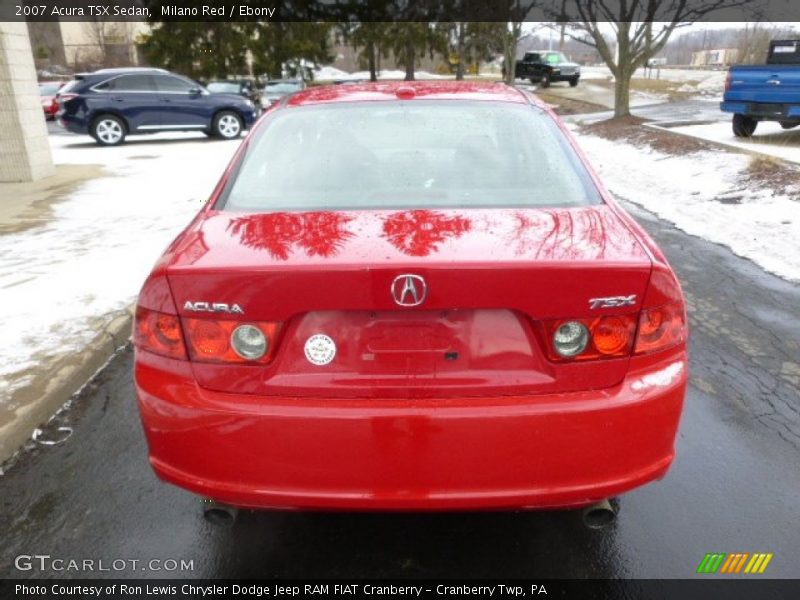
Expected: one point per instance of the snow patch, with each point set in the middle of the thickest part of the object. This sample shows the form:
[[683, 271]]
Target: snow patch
[[87, 263], [333, 74], [704, 194]]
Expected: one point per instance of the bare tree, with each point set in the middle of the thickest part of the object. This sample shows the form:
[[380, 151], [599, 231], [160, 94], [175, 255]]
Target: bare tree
[[111, 40], [640, 29], [516, 11]]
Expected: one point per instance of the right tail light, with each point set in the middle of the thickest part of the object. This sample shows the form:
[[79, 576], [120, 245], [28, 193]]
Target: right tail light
[[590, 339], [660, 328]]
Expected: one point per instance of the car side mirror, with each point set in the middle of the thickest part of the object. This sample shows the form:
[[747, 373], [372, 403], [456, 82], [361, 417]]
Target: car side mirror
[[195, 91]]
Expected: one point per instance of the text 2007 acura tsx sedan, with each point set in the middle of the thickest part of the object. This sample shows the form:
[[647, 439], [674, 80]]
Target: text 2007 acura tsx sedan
[[410, 297]]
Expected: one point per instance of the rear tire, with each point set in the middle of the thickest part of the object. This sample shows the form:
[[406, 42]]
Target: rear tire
[[743, 126], [574, 82], [108, 130], [227, 125]]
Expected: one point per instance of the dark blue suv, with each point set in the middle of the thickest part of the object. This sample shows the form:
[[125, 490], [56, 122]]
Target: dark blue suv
[[112, 103]]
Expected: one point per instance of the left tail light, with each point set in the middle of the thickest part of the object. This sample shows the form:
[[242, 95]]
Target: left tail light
[[63, 98], [157, 327], [159, 333], [213, 341], [160, 330]]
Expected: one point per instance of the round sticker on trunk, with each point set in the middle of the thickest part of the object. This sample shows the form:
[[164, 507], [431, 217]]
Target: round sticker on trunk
[[320, 349]]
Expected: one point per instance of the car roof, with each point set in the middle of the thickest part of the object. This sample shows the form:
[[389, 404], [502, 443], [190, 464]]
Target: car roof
[[124, 70], [410, 90]]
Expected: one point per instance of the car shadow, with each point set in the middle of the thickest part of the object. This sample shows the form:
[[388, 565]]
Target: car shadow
[[85, 142], [788, 137], [414, 545]]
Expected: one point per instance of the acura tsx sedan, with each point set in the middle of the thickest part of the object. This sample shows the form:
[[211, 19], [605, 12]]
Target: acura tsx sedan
[[410, 296]]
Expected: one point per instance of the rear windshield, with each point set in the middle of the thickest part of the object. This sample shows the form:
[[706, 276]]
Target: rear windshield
[[417, 154], [71, 85]]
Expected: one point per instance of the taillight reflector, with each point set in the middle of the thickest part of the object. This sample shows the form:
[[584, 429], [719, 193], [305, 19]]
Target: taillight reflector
[[210, 340], [158, 333]]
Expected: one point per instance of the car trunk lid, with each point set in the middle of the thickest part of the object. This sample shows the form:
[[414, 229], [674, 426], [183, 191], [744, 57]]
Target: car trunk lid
[[491, 276]]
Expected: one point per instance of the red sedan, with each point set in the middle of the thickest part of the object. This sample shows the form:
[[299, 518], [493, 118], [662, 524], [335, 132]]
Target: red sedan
[[411, 297], [48, 91]]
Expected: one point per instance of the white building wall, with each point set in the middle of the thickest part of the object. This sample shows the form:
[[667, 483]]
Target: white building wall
[[24, 147]]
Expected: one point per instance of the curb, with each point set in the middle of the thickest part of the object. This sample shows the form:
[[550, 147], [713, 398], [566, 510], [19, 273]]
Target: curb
[[56, 383], [669, 125]]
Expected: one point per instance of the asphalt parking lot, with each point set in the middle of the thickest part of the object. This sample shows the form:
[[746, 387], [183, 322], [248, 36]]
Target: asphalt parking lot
[[733, 488]]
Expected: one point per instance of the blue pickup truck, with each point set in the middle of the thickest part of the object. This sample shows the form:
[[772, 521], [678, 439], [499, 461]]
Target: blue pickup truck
[[768, 92]]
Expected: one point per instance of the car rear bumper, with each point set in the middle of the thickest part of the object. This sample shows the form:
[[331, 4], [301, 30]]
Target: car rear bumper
[[557, 450], [71, 123], [762, 110]]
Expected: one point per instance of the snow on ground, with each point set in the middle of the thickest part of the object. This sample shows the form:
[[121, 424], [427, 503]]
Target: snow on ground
[[329, 73], [769, 138], [703, 195], [91, 259]]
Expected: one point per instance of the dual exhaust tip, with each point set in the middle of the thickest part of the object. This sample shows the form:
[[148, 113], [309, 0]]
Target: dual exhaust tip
[[599, 515], [219, 514], [595, 516]]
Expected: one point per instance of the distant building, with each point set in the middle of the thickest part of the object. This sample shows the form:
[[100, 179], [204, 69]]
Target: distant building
[[721, 57], [86, 45]]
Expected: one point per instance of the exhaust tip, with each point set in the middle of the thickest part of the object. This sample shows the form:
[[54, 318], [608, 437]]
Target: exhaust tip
[[219, 514], [599, 515]]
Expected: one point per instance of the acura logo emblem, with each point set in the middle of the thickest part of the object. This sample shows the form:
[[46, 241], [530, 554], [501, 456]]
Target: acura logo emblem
[[409, 290]]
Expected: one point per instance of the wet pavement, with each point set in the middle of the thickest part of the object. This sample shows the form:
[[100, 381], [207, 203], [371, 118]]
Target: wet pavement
[[733, 488]]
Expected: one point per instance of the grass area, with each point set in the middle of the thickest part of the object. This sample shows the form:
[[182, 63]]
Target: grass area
[[767, 172], [773, 172], [663, 87], [569, 106], [630, 129]]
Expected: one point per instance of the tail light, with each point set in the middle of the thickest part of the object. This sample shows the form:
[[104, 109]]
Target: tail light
[[728, 81], [661, 328], [660, 325], [159, 333], [214, 341], [63, 98], [605, 337], [160, 330]]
